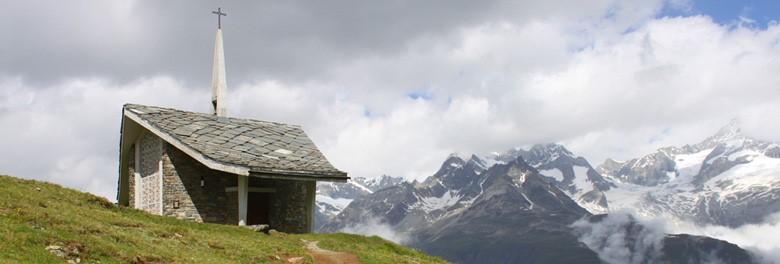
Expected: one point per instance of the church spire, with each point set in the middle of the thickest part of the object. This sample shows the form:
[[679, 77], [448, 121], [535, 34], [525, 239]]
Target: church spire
[[218, 78]]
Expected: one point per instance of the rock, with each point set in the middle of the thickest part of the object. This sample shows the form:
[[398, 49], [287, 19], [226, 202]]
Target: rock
[[57, 251], [259, 228], [295, 260]]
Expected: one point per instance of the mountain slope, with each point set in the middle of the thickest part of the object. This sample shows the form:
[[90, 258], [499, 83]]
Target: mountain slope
[[517, 216], [36, 215], [575, 175], [571, 173], [727, 179]]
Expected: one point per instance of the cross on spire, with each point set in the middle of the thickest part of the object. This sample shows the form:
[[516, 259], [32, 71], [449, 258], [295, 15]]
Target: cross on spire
[[219, 16]]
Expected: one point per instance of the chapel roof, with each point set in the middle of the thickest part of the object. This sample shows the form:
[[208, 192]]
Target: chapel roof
[[257, 148]]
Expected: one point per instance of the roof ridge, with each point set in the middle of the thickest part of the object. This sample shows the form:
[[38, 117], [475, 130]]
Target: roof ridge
[[212, 115]]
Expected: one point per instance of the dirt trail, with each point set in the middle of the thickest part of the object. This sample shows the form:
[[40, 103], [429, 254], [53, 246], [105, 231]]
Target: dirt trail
[[323, 256]]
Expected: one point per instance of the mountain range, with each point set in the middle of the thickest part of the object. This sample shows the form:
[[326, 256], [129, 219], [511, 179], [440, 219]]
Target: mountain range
[[523, 204]]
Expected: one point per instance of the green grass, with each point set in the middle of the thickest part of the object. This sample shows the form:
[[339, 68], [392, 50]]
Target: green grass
[[34, 215]]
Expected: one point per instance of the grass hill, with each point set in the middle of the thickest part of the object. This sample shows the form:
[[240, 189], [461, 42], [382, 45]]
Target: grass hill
[[45, 223]]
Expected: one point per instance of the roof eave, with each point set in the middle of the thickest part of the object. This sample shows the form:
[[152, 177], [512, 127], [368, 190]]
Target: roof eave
[[300, 177]]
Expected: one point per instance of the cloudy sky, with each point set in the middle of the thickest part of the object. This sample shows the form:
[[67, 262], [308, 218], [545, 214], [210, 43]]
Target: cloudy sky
[[388, 87]]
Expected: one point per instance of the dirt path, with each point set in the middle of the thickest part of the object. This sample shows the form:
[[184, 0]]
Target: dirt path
[[323, 256]]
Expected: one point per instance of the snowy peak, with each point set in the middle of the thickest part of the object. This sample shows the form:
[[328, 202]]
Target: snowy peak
[[503, 157], [477, 163], [456, 166], [570, 173], [540, 154], [450, 164], [558, 166], [456, 181], [610, 165], [724, 150], [729, 134], [378, 183], [348, 190]]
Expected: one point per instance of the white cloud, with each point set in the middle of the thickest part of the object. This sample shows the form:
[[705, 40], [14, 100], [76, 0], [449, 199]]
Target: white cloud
[[610, 237], [373, 227], [761, 239], [69, 133], [603, 77], [619, 238]]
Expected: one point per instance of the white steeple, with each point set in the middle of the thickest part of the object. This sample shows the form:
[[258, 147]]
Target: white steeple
[[218, 78]]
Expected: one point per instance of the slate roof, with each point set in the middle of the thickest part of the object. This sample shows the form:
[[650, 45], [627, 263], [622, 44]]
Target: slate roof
[[266, 148]]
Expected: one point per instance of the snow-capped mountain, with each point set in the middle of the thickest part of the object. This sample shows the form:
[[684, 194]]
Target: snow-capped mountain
[[412, 205], [378, 183], [470, 213], [333, 197], [727, 179], [571, 173], [464, 210]]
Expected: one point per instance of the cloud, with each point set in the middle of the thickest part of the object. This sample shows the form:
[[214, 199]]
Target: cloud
[[622, 238], [373, 227], [278, 39], [619, 238], [760, 239], [606, 78], [69, 133]]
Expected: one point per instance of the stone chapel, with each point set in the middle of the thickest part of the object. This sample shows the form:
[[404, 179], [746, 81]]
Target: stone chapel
[[218, 169]]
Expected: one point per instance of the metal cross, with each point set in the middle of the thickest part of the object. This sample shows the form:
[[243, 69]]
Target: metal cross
[[219, 16]]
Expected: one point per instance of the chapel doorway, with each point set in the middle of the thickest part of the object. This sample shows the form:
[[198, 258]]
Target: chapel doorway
[[258, 208]]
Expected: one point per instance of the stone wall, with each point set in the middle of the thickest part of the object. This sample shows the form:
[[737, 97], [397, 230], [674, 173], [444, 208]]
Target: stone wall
[[291, 205], [131, 178], [150, 181], [291, 208], [147, 177], [210, 203]]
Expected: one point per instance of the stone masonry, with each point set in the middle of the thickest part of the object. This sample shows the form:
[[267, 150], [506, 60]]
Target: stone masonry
[[290, 204], [210, 203]]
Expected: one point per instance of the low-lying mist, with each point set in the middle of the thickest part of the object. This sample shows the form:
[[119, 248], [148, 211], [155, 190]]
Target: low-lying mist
[[374, 227], [625, 237]]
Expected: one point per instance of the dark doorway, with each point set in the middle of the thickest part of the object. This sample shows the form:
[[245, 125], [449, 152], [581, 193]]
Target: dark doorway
[[258, 207]]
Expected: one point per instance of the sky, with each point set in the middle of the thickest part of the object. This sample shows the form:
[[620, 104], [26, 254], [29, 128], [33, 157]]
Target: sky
[[387, 87]]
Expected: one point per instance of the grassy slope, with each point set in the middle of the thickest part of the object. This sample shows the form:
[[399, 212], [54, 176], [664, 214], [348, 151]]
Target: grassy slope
[[34, 215]]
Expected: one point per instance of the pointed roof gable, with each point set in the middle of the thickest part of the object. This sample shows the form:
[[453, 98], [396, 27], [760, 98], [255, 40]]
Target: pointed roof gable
[[239, 146]]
